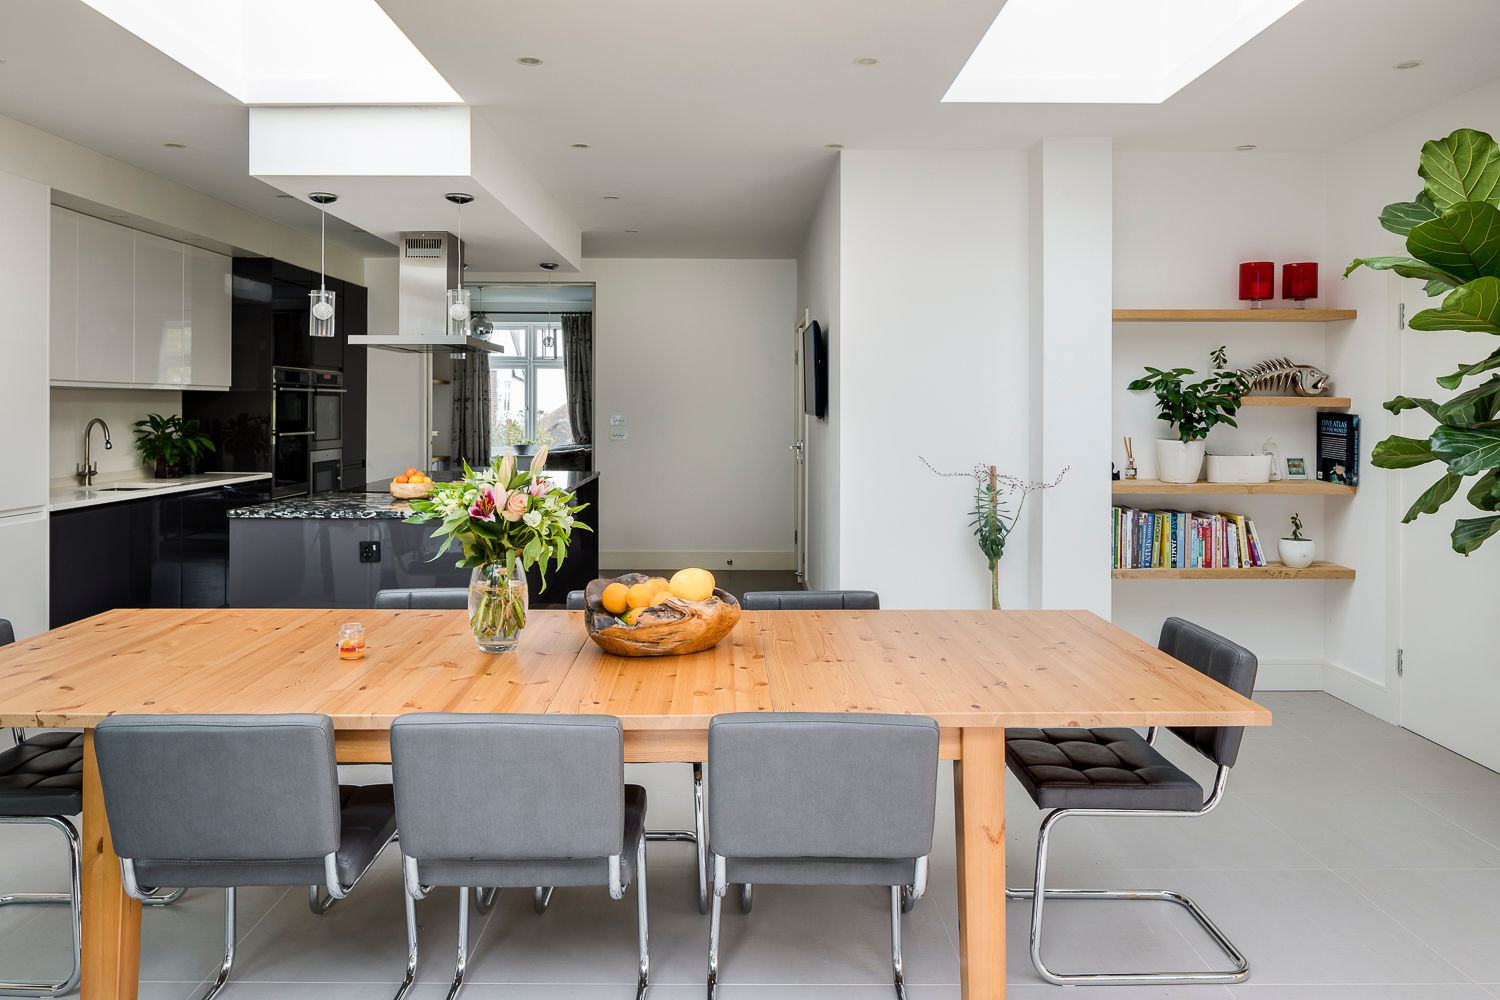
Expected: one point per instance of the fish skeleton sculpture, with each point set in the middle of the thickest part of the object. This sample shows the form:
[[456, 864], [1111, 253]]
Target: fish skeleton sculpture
[[1283, 376]]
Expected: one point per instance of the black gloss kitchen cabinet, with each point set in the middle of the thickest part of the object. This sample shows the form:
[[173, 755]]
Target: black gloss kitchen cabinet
[[153, 552]]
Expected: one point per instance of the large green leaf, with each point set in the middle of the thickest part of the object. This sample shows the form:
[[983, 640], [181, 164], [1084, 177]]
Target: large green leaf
[[1474, 408], [1434, 497], [1485, 493], [1488, 364], [1475, 306], [1470, 533], [1435, 288], [1407, 267], [1400, 217], [1464, 241], [1397, 452], [1463, 167], [1468, 451], [1402, 403]]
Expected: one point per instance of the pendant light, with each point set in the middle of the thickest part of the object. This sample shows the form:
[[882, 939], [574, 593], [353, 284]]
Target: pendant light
[[320, 320], [549, 338], [459, 311]]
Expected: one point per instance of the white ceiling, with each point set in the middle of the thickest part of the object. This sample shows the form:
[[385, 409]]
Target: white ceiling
[[709, 120]]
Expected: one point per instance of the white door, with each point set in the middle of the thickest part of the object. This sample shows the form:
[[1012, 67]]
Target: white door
[[799, 452], [1450, 684]]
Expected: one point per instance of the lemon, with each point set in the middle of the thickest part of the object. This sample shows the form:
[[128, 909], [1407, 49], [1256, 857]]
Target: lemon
[[693, 584], [613, 598], [639, 596]]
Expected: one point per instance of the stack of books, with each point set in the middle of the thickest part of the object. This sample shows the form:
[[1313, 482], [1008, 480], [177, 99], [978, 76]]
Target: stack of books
[[1175, 539]]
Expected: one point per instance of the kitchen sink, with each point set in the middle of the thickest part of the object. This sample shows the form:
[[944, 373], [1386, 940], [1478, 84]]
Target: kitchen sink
[[119, 489]]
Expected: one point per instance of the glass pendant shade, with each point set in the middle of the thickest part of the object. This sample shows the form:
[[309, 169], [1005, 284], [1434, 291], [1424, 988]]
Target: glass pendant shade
[[322, 313], [460, 311]]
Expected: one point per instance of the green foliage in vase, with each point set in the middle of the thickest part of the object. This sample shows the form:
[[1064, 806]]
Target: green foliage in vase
[[1297, 527], [1194, 408], [1452, 231], [170, 441]]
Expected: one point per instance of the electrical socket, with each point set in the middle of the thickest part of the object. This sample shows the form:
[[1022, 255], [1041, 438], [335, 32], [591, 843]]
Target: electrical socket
[[618, 435], [617, 420], [369, 552]]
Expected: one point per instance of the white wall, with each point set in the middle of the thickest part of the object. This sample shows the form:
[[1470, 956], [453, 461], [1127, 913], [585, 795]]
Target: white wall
[[1183, 224], [933, 362], [397, 399], [71, 411], [818, 278]]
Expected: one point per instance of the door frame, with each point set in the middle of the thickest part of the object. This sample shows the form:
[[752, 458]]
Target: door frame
[[798, 448]]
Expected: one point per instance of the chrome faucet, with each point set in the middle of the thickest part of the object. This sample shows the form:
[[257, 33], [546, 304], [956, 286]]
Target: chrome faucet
[[88, 470]]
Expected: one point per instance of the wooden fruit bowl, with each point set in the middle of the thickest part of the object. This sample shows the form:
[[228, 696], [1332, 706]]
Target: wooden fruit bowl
[[411, 491], [669, 629]]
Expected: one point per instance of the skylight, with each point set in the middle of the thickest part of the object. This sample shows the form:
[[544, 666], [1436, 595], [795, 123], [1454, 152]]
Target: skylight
[[288, 51], [1106, 51]]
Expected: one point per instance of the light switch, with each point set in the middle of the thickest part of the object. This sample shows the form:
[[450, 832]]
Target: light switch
[[618, 435], [617, 420]]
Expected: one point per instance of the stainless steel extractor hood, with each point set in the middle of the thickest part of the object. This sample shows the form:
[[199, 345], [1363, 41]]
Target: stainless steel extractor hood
[[428, 267]]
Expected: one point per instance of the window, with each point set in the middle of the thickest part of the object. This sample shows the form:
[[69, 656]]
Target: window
[[528, 389]]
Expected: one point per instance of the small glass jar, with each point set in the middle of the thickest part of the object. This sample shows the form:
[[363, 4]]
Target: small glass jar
[[351, 641]]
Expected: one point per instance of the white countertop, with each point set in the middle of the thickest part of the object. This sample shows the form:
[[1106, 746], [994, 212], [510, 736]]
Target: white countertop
[[133, 486]]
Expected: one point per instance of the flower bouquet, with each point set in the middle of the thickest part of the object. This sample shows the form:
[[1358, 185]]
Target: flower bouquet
[[506, 522]]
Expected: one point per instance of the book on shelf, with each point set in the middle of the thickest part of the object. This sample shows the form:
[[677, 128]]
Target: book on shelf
[[1338, 448], [1178, 539]]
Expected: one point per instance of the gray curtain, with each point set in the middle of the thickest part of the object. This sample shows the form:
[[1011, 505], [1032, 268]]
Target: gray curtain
[[578, 367], [471, 410]]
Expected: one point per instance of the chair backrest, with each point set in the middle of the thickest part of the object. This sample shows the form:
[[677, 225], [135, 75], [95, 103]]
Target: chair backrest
[[576, 600], [811, 600], [7, 634], [423, 599], [212, 788], [800, 785], [1229, 663], [475, 787]]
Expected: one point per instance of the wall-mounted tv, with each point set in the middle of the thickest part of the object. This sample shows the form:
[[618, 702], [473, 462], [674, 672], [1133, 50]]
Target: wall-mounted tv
[[815, 370]]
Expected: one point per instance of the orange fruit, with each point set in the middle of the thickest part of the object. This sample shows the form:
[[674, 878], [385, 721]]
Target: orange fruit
[[399, 479], [657, 583], [660, 597], [410, 471], [693, 584], [632, 616], [639, 596], [613, 598]]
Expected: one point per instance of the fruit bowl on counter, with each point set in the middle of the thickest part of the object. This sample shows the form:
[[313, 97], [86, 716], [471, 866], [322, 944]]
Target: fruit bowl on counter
[[640, 615], [411, 485]]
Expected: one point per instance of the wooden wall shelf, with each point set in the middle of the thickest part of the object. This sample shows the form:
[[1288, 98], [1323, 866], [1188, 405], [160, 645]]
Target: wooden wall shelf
[[1232, 315], [1275, 571], [1297, 487], [1318, 402]]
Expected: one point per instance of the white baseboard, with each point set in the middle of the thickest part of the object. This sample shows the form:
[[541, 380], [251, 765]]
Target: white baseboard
[[1290, 675], [1364, 694], [711, 561]]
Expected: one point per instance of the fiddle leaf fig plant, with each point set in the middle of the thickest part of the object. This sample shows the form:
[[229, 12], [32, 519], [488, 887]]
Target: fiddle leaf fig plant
[[1452, 231]]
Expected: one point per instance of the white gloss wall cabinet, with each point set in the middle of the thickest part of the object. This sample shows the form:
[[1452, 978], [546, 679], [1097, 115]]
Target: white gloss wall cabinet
[[26, 223], [136, 310]]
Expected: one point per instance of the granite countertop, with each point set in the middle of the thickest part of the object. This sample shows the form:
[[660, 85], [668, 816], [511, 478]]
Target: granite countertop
[[133, 486], [364, 506]]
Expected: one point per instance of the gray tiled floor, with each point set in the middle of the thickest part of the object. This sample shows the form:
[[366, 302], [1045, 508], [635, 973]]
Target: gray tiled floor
[[1351, 861]]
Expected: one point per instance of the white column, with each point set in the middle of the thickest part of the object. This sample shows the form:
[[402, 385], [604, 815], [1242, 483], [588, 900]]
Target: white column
[[1071, 335]]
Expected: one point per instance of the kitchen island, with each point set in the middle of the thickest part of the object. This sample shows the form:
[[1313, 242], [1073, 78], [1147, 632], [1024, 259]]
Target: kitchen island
[[337, 550]]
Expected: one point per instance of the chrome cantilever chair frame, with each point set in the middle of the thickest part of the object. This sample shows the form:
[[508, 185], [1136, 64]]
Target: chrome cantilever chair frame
[[75, 876], [1039, 893]]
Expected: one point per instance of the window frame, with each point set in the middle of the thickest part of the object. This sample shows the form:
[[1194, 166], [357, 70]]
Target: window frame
[[530, 363]]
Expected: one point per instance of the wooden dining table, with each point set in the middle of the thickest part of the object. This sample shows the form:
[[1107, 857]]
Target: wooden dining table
[[975, 672]]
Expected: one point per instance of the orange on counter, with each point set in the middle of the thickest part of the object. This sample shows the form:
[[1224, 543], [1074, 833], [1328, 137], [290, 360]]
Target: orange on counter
[[638, 596], [614, 598]]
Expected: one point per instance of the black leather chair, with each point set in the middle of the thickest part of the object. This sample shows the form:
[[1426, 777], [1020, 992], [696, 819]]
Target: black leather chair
[[41, 782], [811, 600], [1118, 772], [423, 599]]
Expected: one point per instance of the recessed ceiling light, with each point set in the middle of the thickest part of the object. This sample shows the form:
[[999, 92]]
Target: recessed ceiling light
[[548, 265], [175, 145], [611, 197], [833, 145], [284, 196], [632, 230], [1408, 64], [529, 61], [1245, 148], [580, 145], [866, 61]]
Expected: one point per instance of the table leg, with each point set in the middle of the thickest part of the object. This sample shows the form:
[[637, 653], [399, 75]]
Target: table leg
[[111, 919], [979, 825]]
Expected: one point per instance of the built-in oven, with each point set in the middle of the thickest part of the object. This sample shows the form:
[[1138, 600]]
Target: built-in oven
[[291, 465], [291, 400], [328, 471], [327, 409]]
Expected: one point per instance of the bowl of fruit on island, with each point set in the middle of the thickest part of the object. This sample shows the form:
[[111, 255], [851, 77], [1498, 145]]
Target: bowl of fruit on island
[[411, 485], [640, 615]]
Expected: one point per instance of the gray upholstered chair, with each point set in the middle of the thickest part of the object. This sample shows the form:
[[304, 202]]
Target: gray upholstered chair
[[576, 600], [515, 800], [229, 800], [862, 816], [1118, 772], [811, 600], [423, 599]]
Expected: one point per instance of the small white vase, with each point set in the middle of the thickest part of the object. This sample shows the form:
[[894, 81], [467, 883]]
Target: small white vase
[[1239, 468], [1179, 461], [1295, 553]]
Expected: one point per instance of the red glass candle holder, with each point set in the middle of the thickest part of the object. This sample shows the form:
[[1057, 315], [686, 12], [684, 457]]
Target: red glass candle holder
[[1257, 282], [1299, 282]]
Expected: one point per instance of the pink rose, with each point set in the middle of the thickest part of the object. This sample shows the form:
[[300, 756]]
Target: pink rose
[[484, 505], [515, 506]]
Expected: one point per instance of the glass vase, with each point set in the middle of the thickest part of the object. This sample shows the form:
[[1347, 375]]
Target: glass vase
[[498, 602]]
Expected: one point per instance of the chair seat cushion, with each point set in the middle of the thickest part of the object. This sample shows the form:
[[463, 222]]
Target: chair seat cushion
[[367, 816], [43, 776], [821, 871], [1097, 769], [507, 872]]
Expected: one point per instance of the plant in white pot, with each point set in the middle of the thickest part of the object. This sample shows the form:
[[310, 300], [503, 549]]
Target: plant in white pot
[[1192, 409], [1295, 551]]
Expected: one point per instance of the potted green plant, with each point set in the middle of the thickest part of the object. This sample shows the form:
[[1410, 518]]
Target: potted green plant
[[1192, 408], [170, 444], [513, 434], [1452, 233], [1295, 551]]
